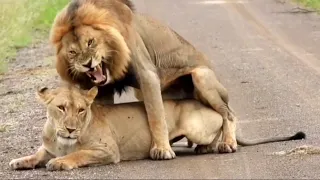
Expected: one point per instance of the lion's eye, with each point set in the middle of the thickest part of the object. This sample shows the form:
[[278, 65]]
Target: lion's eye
[[90, 42], [61, 108], [81, 110]]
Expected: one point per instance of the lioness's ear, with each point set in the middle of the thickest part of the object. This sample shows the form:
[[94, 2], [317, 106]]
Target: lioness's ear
[[92, 93], [44, 94]]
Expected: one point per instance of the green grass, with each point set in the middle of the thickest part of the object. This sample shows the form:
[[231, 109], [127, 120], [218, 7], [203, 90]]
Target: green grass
[[23, 22], [315, 4]]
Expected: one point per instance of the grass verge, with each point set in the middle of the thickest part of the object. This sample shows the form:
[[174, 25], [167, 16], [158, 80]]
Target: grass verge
[[314, 4], [24, 22], [4, 128]]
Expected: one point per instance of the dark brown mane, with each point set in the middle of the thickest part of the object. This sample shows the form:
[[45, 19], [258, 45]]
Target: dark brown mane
[[74, 4], [111, 16]]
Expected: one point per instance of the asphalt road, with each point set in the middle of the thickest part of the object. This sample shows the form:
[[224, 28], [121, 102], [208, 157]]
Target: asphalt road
[[268, 57]]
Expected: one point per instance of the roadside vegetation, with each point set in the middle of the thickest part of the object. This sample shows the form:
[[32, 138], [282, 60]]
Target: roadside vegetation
[[314, 4], [24, 22]]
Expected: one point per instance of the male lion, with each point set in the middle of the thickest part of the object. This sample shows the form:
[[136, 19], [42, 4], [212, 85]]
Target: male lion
[[105, 43], [79, 132]]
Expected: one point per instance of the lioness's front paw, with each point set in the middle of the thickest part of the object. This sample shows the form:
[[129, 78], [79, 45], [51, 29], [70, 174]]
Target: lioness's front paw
[[162, 153], [21, 163], [224, 147], [60, 164]]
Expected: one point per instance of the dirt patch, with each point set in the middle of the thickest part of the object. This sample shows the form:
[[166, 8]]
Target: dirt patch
[[301, 150], [22, 116]]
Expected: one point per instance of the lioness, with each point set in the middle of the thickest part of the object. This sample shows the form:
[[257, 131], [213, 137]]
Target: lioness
[[79, 132], [105, 43]]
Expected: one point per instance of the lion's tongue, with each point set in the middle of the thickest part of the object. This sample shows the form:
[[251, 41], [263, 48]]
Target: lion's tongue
[[98, 75]]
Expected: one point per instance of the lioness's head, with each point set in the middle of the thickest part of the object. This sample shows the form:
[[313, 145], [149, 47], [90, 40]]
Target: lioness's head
[[68, 110], [91, 39]]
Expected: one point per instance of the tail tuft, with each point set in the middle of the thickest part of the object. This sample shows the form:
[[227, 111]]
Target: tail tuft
[[299, 135]]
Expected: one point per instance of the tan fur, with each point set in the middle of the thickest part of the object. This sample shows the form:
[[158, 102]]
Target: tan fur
[[80, 133], [157, 57], [110, 133], [108, 28]]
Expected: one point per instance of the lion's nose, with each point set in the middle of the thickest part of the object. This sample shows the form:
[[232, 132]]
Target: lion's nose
[[70, 130]]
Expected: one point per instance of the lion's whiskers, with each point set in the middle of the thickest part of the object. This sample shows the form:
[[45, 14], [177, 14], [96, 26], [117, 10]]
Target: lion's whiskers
[[116, 51], [74, 72]]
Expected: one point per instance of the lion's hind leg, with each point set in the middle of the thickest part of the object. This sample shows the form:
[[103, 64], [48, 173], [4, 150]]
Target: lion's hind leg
[[190, 144], [210, 91]]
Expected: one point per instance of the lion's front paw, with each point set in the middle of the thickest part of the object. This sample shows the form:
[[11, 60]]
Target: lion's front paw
[[60, 164], [224, 147], [162, 153]]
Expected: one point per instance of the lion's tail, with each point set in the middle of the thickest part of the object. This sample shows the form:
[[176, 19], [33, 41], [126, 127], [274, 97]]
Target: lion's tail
[[299, 135]]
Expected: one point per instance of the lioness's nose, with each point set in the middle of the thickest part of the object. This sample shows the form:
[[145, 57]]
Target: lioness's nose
[[70, 130]]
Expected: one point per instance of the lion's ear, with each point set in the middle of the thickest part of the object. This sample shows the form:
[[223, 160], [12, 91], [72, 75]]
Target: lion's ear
[[92, 93], [44, 94]]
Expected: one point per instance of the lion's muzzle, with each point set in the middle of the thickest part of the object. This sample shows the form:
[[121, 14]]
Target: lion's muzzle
[[99, 75], [96, 74]]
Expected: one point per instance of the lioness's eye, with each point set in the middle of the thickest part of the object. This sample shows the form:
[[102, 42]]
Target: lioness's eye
[[90, 42], [72, 52], [61, 108], [81, 110]]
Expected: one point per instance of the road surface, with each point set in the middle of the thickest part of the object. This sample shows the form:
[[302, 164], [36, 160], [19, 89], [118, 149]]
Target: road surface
[[264, 52]]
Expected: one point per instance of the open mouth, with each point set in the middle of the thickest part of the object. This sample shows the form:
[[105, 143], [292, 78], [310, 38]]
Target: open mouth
[[98, 74]]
